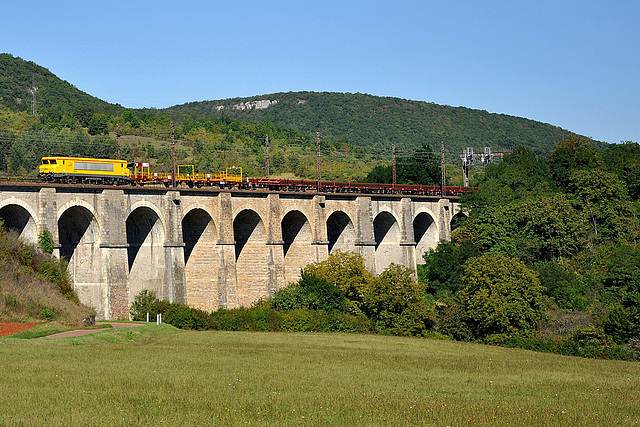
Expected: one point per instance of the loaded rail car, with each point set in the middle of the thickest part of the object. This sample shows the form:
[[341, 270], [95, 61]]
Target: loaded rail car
[[275, 184], [106, 171], [76, 170]]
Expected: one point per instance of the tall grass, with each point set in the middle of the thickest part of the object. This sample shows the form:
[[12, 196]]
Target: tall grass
[[155, 375], [35, 285]]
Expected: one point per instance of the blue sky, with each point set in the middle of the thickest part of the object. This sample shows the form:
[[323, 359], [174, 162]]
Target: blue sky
[[573, 64]]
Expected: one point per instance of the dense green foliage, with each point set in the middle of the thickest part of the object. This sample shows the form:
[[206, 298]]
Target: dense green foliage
[[336, 295], [418, 166], [548, 257], [544, 261], [377, 122]]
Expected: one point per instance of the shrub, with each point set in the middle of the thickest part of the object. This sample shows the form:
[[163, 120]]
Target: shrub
[[345, 270], [55, 271], [143, 303], [395, 302], [180, 316], [501, 296], [256, 318], [297, 320], [310, 292], [623, 320], [12, 301], [592, 342], [45, 240], [287, 298]]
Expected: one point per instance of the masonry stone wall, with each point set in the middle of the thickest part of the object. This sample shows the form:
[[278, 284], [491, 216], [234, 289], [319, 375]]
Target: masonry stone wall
[[213, 249]]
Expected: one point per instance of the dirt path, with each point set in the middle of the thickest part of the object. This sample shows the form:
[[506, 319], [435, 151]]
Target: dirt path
[[10, 328], [80, 332]]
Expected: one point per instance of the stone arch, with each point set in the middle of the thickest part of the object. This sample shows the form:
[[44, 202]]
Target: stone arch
[[457, 220], [386, 231], [254, 260], [18, 216], [79, 237], [146, 252], [425, 234], [297, 248], [197, 224], [145, 204], [201, 258], [78, 228], [341, 234]]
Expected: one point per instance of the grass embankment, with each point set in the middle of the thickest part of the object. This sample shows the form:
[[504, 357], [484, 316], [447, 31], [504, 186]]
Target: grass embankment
[[155, 374], [35, 286]]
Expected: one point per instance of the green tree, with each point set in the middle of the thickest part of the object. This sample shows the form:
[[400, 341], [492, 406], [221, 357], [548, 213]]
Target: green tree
[[310, 292], [548, 227], [501, 296], [575, 152], [130, 117], [624, 160], [622, 270], [623, 320], [395, 302], [381, 174], [98, 125], [421, 167], [562, 283], [604, 199], [347, 271], [142, 304], [443, 267], [518, 175], [83, 115]]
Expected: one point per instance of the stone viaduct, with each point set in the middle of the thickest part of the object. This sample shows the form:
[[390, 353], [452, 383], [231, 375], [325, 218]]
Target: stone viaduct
[[215, 248]]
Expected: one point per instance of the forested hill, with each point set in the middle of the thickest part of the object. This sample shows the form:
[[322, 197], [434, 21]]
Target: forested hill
[[357, 119], [53, 93], [378, 122]]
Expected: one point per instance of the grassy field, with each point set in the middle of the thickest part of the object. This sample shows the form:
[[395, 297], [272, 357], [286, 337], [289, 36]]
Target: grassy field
[[156, 375]]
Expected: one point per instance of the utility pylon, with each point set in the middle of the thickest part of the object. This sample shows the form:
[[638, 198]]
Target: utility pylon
[[173, 158], [393, 163], [318, 164], [33, 90], [443, 186], [266, 149], [117, 141]]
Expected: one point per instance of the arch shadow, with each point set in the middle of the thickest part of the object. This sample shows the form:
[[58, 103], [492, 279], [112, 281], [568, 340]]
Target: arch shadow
[[245, 225], [339, 228], [76, 226], [292, 227]]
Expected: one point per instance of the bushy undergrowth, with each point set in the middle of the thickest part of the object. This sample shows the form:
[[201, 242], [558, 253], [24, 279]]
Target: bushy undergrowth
[[339, 295], [331, 296], [262, 316], [35, 286]]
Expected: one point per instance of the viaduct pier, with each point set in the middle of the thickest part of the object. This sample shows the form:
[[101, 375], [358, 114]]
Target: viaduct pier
[[215, 248]]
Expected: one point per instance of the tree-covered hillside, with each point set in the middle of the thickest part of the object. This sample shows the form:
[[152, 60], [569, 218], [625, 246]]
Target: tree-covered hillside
[[53, 95], [378, 122], [356, 130], [358, 119]]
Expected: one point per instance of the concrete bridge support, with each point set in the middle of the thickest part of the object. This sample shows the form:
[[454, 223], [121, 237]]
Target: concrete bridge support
[[213, 249]]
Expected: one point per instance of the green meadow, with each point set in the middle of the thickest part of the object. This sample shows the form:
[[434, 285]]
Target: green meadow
[[157, 375]]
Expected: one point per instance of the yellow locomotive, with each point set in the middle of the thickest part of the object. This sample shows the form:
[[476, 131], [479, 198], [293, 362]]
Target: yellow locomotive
[[84, 170]]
